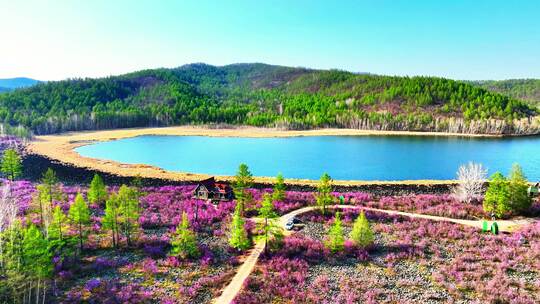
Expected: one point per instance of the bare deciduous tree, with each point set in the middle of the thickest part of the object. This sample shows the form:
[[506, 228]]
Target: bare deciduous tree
[[471, 179], [8, 215], [8, 207]]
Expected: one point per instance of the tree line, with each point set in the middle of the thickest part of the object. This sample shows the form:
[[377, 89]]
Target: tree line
[[258, 95]]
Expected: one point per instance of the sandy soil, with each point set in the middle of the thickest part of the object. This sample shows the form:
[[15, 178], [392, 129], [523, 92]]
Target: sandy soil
[[61, 147]]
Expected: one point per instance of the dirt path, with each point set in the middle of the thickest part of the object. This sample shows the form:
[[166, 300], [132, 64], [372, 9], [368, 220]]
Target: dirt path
[[234, 287], [504, 225]]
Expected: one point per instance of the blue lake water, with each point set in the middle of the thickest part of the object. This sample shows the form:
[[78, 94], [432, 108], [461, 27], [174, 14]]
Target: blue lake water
[[343, 157]]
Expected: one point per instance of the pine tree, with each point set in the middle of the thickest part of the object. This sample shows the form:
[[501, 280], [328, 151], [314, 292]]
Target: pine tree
[[269, 228], [184, 241], [49, 178], [11, 164], [36, 258], [243, 181], [137, 185], [79, 214], [48, 191], [520, 199], [137, 182], [239, 238], [497, 197], [361, 234], [128, 207], [279, 189], [58, 224], [111, 218], [323, 196], [13, 271], [97, 193], [42, 199], [335, 240]]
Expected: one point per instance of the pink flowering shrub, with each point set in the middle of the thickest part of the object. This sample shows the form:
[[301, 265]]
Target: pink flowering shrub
[[465, 265], [22, 192], [468, 265], [108, 291], [488, 266], [348, 216], [276, 280], [439, 205], [11, 142], [353, 198], [301, 247], [165, 206]]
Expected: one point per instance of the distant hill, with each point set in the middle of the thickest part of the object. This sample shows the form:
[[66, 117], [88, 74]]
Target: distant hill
[[524, 89], [8, 84], [262, 95]]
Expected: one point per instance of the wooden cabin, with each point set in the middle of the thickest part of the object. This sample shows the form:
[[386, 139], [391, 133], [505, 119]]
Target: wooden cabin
[[208, 189]]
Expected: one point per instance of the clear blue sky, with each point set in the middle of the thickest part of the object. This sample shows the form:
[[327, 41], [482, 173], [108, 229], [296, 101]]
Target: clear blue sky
[[460, 39]]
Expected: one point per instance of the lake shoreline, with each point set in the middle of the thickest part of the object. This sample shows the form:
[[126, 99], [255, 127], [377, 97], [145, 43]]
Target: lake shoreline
[[34, 165], [253, 132], [60, 148]]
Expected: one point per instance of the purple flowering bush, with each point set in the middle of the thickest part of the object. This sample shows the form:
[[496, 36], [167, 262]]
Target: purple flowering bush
[[164, 207], [98, 290], [143, 272], [11, 142], [412, 260], [439, 205]]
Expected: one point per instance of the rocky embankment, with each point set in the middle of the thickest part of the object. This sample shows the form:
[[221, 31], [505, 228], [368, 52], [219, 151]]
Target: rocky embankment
[[35, 165]]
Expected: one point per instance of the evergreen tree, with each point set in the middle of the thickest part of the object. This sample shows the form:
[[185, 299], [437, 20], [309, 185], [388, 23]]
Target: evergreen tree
[[497, 197], [79, 215], [49, 178], [111, 218], [128, 207], [335, 240], [12, 272], [323, 196], [184, 241], [137, 182], [279, 188], [58, 224], [42, 199], [11, 165], [137, 185], [37, 258], [269, 228], [48, 191], [239, 238], [97, 193], [361, 234], [520, 199], [242, 181]]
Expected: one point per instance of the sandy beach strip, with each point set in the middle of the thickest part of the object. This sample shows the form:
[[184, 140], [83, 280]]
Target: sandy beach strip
[[61, 147]]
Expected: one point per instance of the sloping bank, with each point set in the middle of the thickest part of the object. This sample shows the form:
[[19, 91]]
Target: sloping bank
[[57, 152], [35, 165]]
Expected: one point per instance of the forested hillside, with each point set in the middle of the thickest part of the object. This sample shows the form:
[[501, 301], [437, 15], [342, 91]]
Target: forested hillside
[[264, 95], [8, 84], [525, 89]]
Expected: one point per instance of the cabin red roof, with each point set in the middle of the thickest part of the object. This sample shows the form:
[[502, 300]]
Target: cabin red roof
[[222, 187], [212, 186]]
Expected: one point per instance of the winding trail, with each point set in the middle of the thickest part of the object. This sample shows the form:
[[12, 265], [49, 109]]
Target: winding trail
[[234, 287]]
